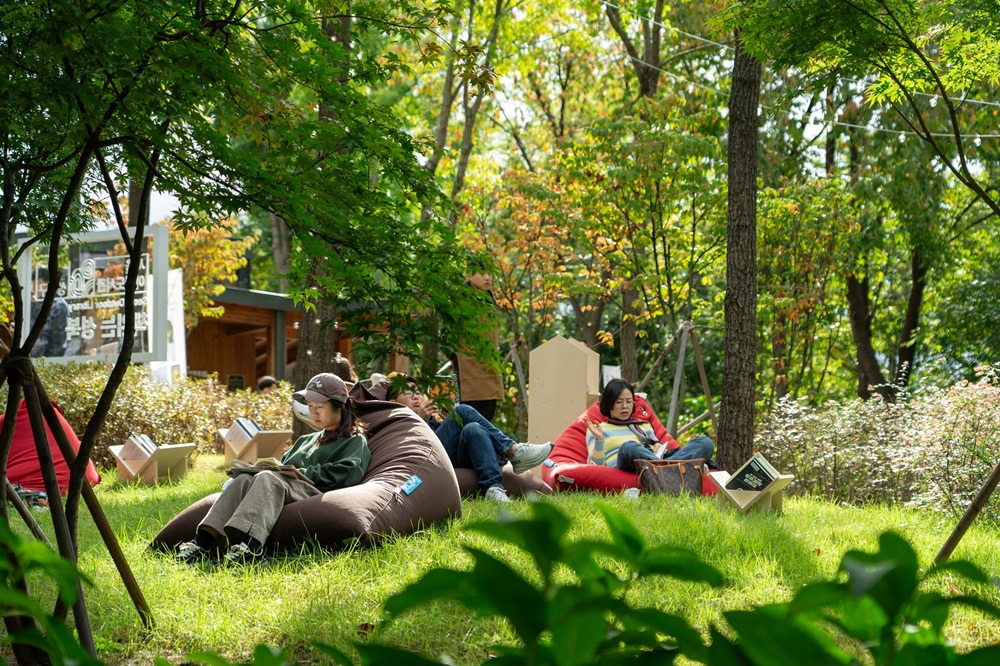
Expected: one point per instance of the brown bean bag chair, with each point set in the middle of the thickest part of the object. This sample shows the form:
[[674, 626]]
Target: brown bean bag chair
[[401, 446]]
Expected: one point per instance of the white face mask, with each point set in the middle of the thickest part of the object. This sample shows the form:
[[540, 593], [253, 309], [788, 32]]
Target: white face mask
[[301, 411]]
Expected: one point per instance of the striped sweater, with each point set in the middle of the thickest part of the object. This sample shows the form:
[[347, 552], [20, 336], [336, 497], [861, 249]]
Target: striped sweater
[[605, 452]]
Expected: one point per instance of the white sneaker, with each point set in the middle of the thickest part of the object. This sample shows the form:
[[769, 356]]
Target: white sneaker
[[526, 456], [497, 494], [631, 493]]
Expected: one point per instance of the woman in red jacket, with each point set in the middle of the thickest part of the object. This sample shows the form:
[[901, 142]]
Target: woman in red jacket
[[627, 436]]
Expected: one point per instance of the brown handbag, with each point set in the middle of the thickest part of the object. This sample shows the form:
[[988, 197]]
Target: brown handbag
[[670, 477]]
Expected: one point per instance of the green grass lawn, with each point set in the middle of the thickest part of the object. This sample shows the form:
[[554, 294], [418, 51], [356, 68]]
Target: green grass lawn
[[336, 598]]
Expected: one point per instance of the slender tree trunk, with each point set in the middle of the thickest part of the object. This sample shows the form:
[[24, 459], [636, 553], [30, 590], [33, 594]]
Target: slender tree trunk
[[911, 321], [317, 346], [281, 248], [779, 361], [736, 427], [471, 111], [588, 319], [647, 70], [870, 375], [628, 336], [134, 198]]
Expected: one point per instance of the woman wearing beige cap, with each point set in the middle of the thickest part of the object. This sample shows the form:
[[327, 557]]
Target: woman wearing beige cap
[[336, 456]]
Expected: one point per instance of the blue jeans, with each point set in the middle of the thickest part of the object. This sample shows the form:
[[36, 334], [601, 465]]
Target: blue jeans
[[629, 452], [472, 441]]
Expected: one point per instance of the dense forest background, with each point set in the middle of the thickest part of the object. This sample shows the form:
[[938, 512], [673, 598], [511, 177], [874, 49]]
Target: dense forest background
[[370, 149], [582, 146]]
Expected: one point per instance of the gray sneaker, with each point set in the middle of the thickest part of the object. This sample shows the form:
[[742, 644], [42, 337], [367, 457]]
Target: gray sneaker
[[497, 494], [526, 456], [241, 553], [191, 553]]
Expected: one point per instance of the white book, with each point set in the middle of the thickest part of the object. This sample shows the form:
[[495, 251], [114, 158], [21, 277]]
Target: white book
[[249, 425], [242, 431], [133, 449], [148, 443]]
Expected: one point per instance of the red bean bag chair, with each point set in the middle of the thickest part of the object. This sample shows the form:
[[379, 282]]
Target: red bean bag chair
[[402, 446], [22, 465], [567, 467]]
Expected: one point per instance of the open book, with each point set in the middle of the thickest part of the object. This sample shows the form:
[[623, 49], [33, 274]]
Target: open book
[[265, 464], [756, 485], [755, 474]]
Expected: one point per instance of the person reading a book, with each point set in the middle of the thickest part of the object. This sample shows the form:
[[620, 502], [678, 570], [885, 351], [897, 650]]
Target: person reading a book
[[471, 441], [626, 436], [336, 456]]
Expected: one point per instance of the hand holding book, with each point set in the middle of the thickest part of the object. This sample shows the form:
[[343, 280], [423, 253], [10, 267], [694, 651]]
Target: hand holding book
[[266, 464]]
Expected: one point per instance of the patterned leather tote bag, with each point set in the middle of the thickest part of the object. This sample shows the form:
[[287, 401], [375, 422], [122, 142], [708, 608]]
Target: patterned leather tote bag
[[670, 477]]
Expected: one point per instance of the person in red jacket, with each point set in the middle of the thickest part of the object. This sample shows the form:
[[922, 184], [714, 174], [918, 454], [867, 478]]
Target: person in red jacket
[[628, 436]]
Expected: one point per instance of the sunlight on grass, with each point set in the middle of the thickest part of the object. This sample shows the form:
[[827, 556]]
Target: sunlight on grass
[[336, 598]]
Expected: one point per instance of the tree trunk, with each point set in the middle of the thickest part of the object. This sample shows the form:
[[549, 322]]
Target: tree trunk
[[281, 248], [317, 345], [736, 427], [134, 199], [471, 112], [779, 360], [629, 334], [869, 372], [447, 100], [317, 348], [588, 319], [647, 64], [911, 321]]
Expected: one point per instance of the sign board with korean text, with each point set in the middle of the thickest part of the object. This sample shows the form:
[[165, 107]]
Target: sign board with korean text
[[90, 323]]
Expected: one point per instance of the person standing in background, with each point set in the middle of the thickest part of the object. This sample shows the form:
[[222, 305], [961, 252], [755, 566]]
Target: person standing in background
[[479, 384], [52, 341]]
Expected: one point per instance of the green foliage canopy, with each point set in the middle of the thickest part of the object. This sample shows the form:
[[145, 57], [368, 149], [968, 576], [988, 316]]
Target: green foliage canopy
[[904, 52], [217, 103]]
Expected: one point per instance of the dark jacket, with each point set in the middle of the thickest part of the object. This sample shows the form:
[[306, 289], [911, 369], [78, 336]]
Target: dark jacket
[[334, 464]]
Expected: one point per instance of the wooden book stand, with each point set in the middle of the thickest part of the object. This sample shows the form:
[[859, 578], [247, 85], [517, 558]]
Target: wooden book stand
[[165, 463], [768, 498], [265, 444]]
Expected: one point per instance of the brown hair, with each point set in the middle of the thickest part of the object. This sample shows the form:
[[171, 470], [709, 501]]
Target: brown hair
[[343, 369]]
